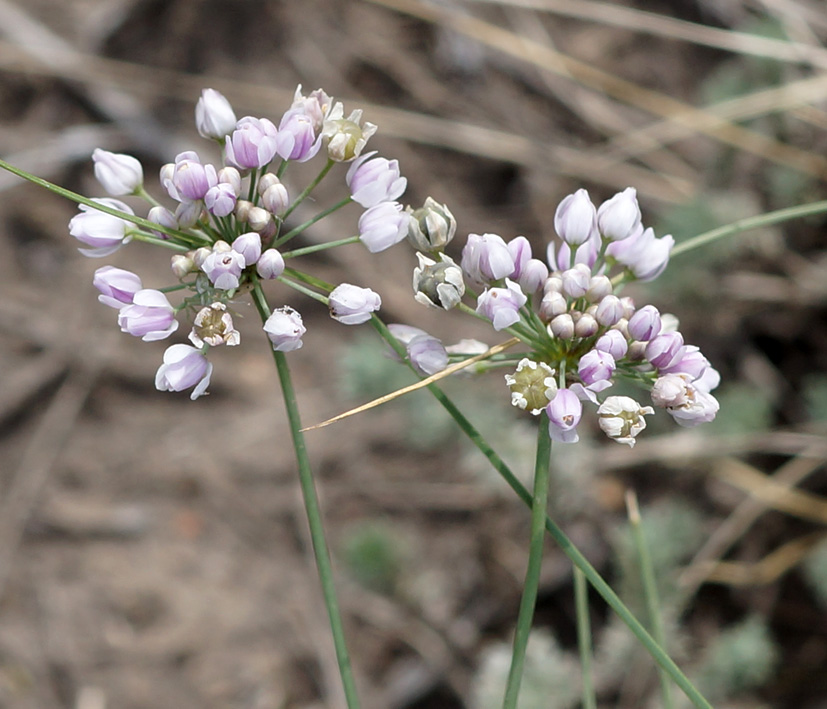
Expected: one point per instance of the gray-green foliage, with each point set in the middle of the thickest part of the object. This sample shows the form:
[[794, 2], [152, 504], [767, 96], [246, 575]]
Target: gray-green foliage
[[739, 660], [551, 678], [673, 531], [375, 555], [815, 571], [815, 396]]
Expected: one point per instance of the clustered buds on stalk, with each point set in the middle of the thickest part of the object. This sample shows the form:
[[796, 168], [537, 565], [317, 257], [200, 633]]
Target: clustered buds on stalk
[[571, 315], [227, 223]]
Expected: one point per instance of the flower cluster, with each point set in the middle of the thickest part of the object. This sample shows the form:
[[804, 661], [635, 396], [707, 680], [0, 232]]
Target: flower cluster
[[226, 223], [582, 334]]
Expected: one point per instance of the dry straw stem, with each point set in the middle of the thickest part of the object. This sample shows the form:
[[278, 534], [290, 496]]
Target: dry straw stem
[[415, 127], [625, 91], [772, 493], [769, 569], [601, 112], [726, 534], [421, 384], [794, 97], [659, 25]]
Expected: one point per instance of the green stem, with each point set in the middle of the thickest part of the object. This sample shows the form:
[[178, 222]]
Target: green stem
[[310, 222], [776, 217], [565, 544], [584, 637], [80, 199], [320, 247], [525, 617], [314, 516], [150, 239], [307, 190], [650, 592], [304, 291]]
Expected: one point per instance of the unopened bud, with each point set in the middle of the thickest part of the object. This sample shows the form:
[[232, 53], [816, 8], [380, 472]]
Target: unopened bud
[[586, 326], [438, 284], [599, 288], [562, 326], [431, 226], [183, 264], [552, 304]]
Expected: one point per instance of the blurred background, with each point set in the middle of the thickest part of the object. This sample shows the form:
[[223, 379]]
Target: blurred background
[[153, 551]]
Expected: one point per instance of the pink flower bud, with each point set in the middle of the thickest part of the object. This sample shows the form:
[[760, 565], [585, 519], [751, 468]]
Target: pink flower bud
[[190, 179], [118, 174], [376, 180], [502, 305], [562, 326], [533, 276], [609, 311], [427, 354], [296, 138], [645, 323], [576, 281], [644, 255], [223, 267], [232, 177], [486, 258], [275, 198], [220, 199], [585, 326], [595, 366], [352, 305], [117, 287], [564, 412], [599, 287], [252, 144], [184, 367], [552, 305], [150, 316], [270, 264], [575, 220], [619, 217], [249, 246], [163, 217], [214, 116], [382, 226], [284, 327], [665, 350], [182, 265], [103, 232], [613, 342]]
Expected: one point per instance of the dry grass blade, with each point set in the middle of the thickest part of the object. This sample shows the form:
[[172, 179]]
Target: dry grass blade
[[421, 384], [773, 494], [672, 28], [769, 569], [740, 520], [462, 137], [794, 96], [626, 91]]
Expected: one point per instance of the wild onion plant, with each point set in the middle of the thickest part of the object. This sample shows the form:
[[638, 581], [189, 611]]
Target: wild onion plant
[[566, 332]]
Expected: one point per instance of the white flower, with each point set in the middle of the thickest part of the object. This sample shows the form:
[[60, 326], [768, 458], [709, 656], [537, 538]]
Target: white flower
[[621, 418]]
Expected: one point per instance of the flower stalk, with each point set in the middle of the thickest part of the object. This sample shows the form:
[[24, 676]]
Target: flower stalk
[[313, 511], [525, 616]]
